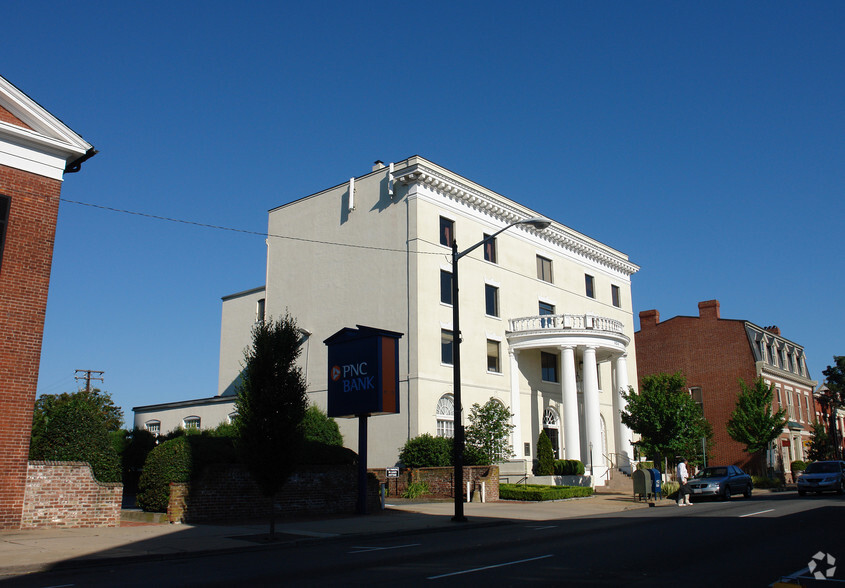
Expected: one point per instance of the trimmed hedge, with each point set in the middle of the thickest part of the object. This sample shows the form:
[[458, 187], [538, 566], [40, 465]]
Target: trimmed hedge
[[569, 467], [766, 482], [545, 465], [169, 462], [426, 451], [798, 466], [537, 492]]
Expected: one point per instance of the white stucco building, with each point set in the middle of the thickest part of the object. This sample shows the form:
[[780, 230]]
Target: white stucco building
[[546, 315]]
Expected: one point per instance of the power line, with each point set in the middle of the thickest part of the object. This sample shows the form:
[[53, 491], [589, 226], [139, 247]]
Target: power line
[[89, 375], [245, 231]]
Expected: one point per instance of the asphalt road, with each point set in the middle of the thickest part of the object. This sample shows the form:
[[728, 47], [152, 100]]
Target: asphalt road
[[740, 543]]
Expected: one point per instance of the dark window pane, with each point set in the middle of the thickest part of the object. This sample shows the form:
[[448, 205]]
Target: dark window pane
[[548, 363], [491, 298], [446, 353], [490, 250], [5, 203], [590, 286], [447, 231], [614, 291], [544, 269], [493, 356], [445, 287], [546, 308]]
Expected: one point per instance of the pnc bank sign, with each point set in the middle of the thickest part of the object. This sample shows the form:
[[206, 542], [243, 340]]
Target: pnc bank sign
[[363, 372]]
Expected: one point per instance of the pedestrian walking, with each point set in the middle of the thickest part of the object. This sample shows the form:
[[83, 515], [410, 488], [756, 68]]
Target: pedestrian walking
[[682, 475]]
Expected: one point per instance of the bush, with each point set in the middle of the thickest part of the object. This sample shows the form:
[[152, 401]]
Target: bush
[[569, 467], [798, 466], [766, 482], [316, 453], [426, 451], [415, 490], [539, 492], [77, 431], [473, 456], [169, 462], [318, 427], [545, 456], [645, 465], [670, 490]]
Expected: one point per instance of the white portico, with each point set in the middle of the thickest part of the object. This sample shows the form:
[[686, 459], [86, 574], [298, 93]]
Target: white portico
[[582, 342]]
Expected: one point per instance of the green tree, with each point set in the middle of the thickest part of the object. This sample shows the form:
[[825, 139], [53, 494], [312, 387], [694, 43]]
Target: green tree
[[271, 405], [426, 451], [665, 416], [46, 405], [821, 447], [321, 428], [545, 456], [75, 429], [832, 398], [752, 422], [489, 431]]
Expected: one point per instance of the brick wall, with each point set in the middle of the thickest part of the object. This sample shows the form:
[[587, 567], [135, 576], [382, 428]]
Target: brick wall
[[440, 481], [24, 281], [227, 492], [65, 494], [713, 353]]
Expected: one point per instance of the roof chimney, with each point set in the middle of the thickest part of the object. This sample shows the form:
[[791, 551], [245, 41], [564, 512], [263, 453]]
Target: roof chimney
[[649, 319], [378, 164], [773, 329], [709, 309]]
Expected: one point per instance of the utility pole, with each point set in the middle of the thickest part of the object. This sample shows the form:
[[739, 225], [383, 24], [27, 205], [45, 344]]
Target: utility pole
[[89, 375]]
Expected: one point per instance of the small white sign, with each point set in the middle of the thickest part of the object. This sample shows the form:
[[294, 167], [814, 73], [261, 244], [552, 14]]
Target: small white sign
[[392, 472]]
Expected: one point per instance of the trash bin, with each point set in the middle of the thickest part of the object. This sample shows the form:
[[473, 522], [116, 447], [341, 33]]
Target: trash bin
[[656, 482], [642, 484]]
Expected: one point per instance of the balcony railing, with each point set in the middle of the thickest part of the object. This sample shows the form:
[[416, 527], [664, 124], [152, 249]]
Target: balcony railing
[[562, 322]]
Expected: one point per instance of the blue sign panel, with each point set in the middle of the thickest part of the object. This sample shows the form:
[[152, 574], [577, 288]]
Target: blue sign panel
[[363, 372]]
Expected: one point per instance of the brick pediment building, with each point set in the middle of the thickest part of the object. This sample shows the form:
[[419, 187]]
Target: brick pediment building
[[36, 150], [714, 353]]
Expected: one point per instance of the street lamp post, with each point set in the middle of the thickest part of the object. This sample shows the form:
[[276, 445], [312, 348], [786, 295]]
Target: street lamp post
[[537, 223]]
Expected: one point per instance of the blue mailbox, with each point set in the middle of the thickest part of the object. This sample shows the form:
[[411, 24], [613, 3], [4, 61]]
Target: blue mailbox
[[656, 481]]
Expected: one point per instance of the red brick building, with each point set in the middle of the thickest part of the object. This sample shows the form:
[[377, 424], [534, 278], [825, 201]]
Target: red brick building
[[714, 353], [36, 150]]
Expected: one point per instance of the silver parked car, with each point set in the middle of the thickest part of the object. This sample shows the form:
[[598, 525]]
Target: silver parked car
[[722, 482], [822, 476]]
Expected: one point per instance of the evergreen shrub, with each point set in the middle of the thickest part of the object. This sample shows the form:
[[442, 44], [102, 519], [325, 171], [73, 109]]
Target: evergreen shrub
[[169, 462], [426, 451], [798, 466], [545, 456], [319, 427], [569, 467], [538, 492]]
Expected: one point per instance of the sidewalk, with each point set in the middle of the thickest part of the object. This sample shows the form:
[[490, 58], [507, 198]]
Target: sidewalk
[[38, 550]]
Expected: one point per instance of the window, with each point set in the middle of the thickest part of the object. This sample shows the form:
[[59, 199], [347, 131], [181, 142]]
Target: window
[[772, 355], [446, 353], [491, 300], [590, 283], [191, 422], [789, 406], [544, 269], [490, 249], [551, 426], [447, 231], [614, 295], [780, 401], [5, 204], [445, 415], [800, 409], [232, 417], [493, 363], [791, 364], [782, 359], [259, 310], [445, 287], [548, 366], [545, 310], [697, 397], [153, 427]]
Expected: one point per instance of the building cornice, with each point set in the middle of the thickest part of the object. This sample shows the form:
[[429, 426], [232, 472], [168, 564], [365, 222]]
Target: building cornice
[[419, 171]]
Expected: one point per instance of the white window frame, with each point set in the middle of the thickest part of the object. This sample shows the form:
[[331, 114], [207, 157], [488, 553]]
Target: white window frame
[[444, 414]]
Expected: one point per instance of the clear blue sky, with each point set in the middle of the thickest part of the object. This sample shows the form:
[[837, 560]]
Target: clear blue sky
[[705, 140]]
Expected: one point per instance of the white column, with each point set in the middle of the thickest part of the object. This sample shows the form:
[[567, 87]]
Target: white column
[[623, 433], [592, 415], [569, 391], [515, 402]]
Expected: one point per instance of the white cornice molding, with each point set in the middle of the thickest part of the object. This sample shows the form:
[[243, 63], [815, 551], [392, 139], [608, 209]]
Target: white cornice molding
[[46, 132], [488, 202]]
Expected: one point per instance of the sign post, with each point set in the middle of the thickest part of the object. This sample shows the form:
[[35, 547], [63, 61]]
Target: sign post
[[363, 380]]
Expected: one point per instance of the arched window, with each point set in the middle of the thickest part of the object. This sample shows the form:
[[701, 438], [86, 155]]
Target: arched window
[[446, 416], [191, 422], [551, 425], [232, 417], [153, 427]]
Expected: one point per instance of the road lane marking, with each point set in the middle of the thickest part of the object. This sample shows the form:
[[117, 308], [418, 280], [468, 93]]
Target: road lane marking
[[542, 528], [751, 514], [501, 565], [363, 549]]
